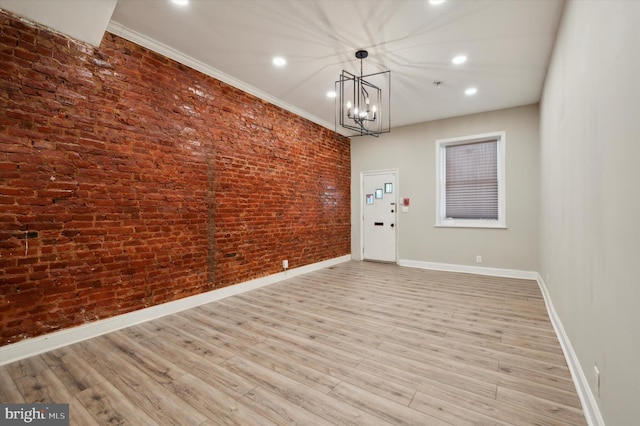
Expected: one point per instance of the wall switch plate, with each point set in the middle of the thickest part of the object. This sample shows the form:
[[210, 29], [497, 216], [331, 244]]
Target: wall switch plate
[[478, 259], [285, 264]]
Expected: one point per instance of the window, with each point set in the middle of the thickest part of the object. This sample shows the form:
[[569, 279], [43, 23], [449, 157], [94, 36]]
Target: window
[[470, 179]]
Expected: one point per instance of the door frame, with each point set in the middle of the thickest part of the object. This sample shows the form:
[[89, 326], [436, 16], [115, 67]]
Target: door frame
[[396, 191]]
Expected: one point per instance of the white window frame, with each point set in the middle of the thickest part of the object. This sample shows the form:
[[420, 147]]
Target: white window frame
[[441, 144]]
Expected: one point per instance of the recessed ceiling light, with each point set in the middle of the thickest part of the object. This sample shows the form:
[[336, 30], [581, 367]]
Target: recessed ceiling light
[[180, 2], [279, 61], [471, 91], [460, 59], [436, 2], [331, 94]]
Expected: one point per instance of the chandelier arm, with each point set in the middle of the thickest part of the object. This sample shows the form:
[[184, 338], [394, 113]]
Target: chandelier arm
[[361, 113]]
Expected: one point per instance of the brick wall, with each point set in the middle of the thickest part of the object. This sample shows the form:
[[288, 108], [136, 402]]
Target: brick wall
[[128, 180]]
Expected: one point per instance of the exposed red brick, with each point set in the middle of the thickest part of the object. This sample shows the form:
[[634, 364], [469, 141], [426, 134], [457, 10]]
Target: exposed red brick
[[129, 180]]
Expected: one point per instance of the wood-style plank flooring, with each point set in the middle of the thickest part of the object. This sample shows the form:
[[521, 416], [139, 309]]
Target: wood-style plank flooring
[[356, 344]]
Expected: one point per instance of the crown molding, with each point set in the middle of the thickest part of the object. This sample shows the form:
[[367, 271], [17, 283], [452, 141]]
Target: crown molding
[[171, 53]]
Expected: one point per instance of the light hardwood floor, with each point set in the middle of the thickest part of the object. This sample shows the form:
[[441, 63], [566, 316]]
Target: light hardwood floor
[[356, 344]]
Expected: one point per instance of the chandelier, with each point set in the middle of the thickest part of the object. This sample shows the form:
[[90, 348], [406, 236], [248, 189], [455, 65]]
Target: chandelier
[[360, 103]]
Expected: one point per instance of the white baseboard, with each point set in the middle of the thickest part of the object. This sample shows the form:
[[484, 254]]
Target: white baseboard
[[41, 344], [37, 345], [587, 399], [479, 270]]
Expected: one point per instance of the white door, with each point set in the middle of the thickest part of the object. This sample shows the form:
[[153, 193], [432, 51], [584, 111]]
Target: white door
[[379, 217]]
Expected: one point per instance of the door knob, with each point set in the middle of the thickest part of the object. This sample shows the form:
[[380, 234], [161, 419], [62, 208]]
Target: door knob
[[392, 225]]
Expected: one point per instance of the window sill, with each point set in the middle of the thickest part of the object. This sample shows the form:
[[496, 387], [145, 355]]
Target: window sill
[[471, 225]]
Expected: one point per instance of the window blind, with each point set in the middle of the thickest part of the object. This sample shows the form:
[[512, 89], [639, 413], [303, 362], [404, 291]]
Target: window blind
[[471, 186]]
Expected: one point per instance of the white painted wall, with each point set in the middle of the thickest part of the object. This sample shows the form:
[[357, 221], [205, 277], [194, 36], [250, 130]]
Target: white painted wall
[[590, 196], [411, 150], [84, 20]]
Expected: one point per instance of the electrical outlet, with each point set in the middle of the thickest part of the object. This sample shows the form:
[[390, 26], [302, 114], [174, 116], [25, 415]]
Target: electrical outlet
[[596, 375], [478, 259], [285, 264]]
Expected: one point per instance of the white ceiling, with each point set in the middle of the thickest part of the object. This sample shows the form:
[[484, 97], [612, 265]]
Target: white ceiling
[[84, 20], [508, 44]]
